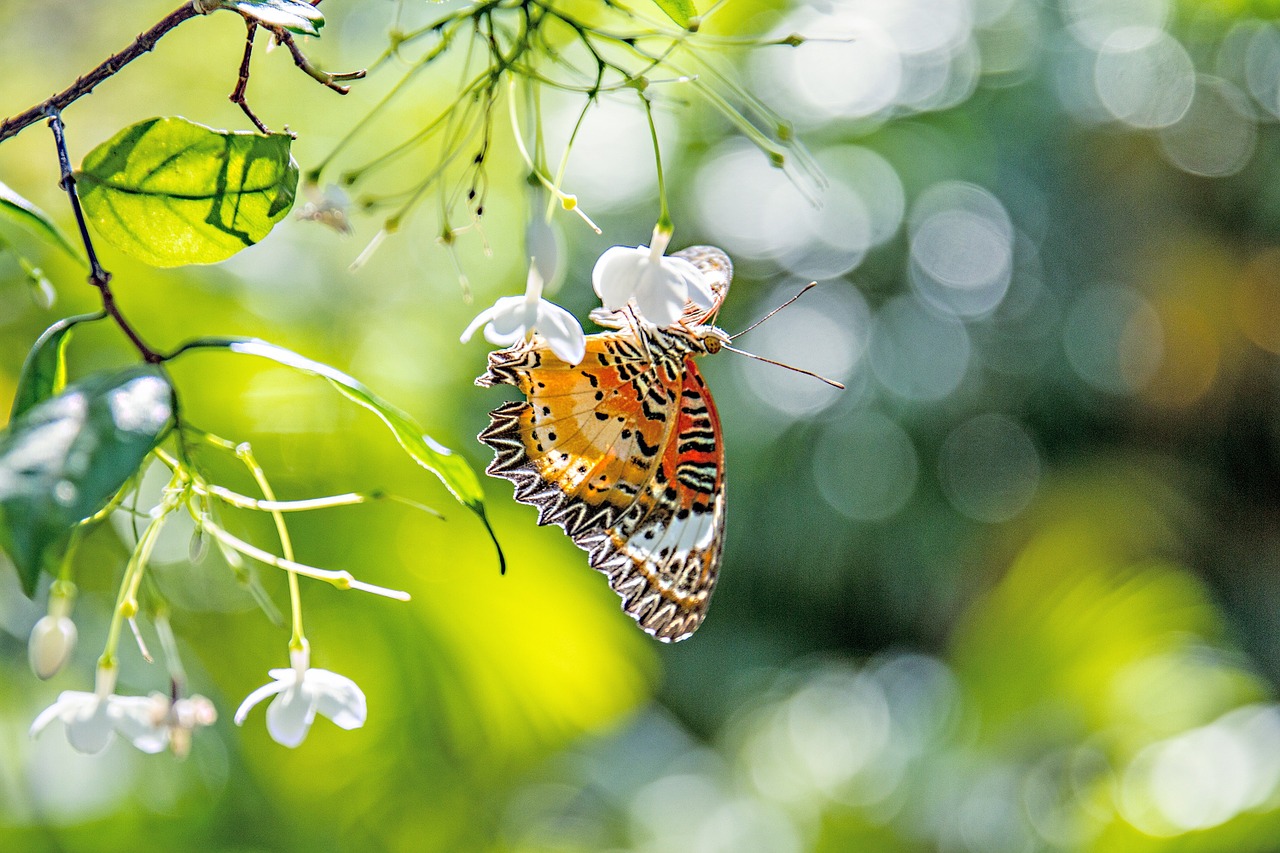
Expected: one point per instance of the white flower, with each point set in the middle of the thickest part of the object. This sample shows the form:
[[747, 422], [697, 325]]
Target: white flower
[[301, 693], [182, 717], [658, 286], [514, 318], [147, 722], [52, 641], [327, 206]]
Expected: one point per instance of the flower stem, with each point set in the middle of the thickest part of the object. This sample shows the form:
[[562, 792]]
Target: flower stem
[[127, 600], [664, 214], [298, 640], [567, 201]]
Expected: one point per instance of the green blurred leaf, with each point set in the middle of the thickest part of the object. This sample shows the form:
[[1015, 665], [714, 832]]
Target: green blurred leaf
[[44, 373], [172, 192], [294, 15], [680, 11], [17, 209], [452, 470], [65, 457]]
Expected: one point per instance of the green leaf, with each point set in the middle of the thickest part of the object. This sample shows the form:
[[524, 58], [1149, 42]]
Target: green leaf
[[65, 457], [453, 470], [44, 373], [680, 11], [17, 209], [294, 15], [171, 192]]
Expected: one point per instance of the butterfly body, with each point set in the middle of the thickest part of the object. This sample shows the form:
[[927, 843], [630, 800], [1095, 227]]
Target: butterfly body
[[624, 451]]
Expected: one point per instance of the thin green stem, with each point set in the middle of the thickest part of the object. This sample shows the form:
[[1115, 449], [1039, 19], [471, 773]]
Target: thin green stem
[[664, 214], [298, 639], [127, 599], [338, 579]]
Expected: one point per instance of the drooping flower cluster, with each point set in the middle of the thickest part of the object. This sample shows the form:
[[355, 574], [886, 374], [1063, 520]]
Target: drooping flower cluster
[[151, 723], [650, 285]]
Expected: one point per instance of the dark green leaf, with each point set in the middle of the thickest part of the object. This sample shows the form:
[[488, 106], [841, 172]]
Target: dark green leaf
[[171, 192], [45, 370], [294, 15], [17, 209], [680, 11], [64, 458], [453, 470]]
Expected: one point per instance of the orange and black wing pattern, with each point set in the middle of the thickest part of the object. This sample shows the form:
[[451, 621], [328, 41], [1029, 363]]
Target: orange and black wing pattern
[[624, 452]]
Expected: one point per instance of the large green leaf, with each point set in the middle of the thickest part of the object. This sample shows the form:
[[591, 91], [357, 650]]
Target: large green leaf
[[17, 209], [453, 470], [171, 192], [294, 15], [44, 373], [680, 11], [65, 457]]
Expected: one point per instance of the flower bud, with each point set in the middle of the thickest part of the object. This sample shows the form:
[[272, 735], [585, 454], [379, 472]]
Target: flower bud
[[52, 641]]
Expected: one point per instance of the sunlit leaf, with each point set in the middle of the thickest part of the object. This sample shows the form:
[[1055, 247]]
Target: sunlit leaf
[[171, 192], [44, 373], [680, 11], [17, 209], [294, 15], [453, 470], [65, 457]]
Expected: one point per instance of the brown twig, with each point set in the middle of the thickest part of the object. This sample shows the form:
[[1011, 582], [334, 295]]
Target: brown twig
[[325, 78], [98, 276], [242, 83], [85, 84]]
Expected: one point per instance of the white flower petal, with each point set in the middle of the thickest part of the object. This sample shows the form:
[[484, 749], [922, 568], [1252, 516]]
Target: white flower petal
[[512, 315], [659, 297], [89, 728], [66, 708], [483, 317], [140, 720], [263, 692], [289, 716], [338, 698], [497, 338], [697, 286], [615, 274], [563, 333]]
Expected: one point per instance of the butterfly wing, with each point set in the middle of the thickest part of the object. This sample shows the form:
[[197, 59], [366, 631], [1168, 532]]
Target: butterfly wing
[[624, 452]]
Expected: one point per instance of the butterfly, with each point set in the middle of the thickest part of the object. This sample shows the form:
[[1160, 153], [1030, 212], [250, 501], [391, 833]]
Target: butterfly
[[624, 451]]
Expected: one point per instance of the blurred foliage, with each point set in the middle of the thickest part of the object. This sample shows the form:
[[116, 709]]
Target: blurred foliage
[[1017, 589]]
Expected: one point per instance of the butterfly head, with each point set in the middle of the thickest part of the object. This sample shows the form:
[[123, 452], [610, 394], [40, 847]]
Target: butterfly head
[[710, 338]]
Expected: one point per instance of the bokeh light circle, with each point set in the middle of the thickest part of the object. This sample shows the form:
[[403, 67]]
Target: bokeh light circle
[[1144, 77], [1113, 338], [989, 468], [918, 354], [827, 331], [1093, 22], [961, 249], [1217, 135], [865, 467]]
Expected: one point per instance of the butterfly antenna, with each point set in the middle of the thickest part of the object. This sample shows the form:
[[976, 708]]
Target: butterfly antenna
[[810, 286], [831, 382]]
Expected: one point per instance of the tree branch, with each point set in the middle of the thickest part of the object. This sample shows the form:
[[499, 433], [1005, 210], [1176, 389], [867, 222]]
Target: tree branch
[[98, 276], [85, 84], [242, 82], [325, 78]]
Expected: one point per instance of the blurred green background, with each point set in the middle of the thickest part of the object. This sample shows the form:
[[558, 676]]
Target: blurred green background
[[1017, 589]]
